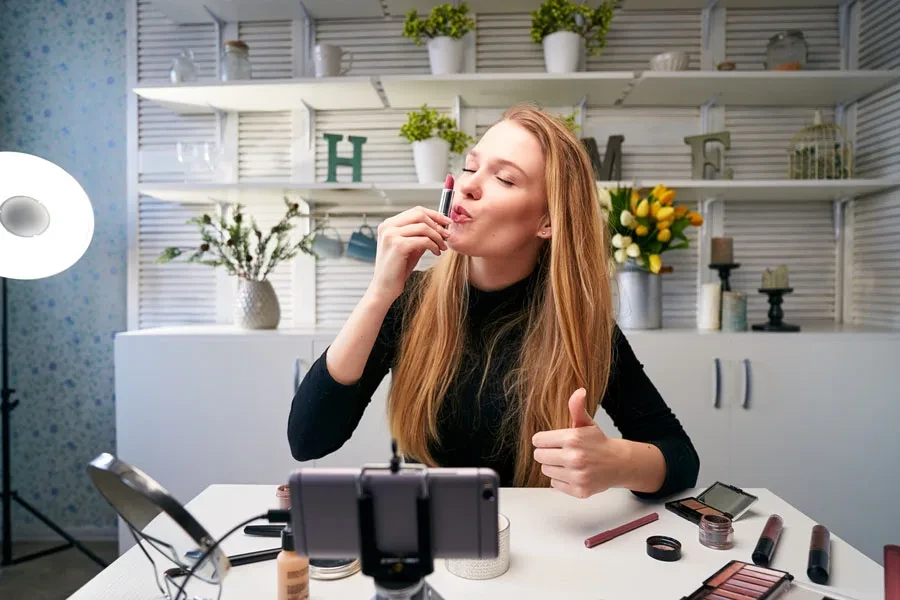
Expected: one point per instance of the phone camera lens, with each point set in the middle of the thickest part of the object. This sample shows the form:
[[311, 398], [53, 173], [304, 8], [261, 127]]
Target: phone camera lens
[[488, 494]]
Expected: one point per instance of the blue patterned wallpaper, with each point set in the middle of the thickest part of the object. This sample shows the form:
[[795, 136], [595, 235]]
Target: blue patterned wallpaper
[[62, 97]]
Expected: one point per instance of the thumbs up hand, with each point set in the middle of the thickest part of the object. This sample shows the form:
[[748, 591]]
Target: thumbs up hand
[[580, 461]]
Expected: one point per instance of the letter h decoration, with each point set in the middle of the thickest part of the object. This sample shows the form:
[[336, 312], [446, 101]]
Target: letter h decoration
[[335, 161]]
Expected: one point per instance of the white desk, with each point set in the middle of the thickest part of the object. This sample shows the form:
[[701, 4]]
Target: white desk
[[548, 557]]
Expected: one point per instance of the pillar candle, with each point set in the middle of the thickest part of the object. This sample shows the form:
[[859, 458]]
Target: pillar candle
[[722, 251], [710, 303], [775, 278]]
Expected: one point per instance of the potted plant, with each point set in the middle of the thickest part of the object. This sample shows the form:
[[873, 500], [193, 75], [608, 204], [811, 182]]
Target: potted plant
[[568, 30], [250, 255], [444, 29], [644, 227], [433, 137]]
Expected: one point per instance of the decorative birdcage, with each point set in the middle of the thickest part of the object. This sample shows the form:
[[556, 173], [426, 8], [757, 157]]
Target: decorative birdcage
[[821, 151]]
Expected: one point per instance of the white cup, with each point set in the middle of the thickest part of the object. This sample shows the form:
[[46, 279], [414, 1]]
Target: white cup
[[488, 568], [328, 58]]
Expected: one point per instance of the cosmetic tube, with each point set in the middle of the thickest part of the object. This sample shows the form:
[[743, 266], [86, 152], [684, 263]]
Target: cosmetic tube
[[819, 555], [765, 547]]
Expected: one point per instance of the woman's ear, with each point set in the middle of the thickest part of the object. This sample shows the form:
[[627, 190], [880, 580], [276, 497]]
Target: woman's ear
[[545, 230]]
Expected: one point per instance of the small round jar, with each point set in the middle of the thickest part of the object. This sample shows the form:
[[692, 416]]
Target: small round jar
[[283, 495], [716, 532], [235, 61]]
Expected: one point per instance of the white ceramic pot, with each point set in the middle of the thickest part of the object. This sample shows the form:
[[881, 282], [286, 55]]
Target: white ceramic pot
[[445, 55], [431, 158], [563, 52], [256, 305]]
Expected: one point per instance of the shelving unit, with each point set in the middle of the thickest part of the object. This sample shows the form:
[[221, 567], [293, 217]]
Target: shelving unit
[[185, 12], [480, 90], [756, 88], [404, 195], [701, 4]]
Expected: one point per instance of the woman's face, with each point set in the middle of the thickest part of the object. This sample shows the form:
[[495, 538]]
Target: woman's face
[[500, 202]]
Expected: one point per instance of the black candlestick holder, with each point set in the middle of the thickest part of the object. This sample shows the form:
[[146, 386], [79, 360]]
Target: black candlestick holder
[[725, 270], [776, 297]]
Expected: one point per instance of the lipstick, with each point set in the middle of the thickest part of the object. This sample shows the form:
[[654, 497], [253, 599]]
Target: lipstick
[[446, 196]]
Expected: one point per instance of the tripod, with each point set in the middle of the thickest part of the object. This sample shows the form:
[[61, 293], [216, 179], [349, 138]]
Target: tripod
[[10, 496]]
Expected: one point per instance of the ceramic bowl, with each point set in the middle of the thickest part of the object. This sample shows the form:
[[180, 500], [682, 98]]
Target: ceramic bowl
[[677, 60]]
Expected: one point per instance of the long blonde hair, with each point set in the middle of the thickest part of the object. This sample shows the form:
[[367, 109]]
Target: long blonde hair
[[568, 323]]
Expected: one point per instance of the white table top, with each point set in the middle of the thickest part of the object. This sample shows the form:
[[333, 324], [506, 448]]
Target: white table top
[[548, 557]]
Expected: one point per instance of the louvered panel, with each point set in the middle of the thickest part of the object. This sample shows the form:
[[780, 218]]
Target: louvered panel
[[504, 43], [175, 293], [680, 286], [341, 282], [386, 156], [766, 235], [760, 138], [159, 41], [875, 274], [748, 32], [271, 48], [377, 46], [264, 146], [875, 285], [879, 23]]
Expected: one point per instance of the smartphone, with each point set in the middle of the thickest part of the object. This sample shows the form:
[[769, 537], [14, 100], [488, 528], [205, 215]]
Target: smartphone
[[464, 510]]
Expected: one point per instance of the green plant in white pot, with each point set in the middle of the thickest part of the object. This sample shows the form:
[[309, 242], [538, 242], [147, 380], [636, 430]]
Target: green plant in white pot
[[433, 137], [567, 31], [443, 29], [250, 255]]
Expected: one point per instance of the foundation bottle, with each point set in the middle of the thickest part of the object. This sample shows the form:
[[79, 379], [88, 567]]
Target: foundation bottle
[[293, 570]]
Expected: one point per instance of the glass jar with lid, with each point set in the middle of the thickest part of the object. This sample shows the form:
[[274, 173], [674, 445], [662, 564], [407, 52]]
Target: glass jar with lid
[[235, 61], [787, 51]]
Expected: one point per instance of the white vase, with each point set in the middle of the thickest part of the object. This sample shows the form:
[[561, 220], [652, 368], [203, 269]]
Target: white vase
[[431, 158], [563, 52], [445, 55], [256, 305]]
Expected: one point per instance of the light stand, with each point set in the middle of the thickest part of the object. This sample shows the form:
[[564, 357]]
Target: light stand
[[9, 495], [46, 225]]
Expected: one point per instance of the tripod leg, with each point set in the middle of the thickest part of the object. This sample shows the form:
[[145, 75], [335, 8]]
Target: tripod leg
[[61, 532]]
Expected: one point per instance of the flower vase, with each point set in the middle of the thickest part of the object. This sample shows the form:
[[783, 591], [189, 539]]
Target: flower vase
[[256, 305], [446, 56], [639, 295]]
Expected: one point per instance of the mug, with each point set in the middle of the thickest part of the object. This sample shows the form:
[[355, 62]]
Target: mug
[[361, 246], [328, 247], [327, 59]]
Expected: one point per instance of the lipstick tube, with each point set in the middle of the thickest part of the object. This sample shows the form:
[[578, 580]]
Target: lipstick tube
[[768, 539], [446, 196], [819, 555]]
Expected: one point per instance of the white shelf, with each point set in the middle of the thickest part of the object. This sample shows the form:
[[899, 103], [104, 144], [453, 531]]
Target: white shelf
[[756, 88], [490, 90], [183, 12], [401, 7], [781, 190], [337, 93], [701, 4], [342, 196], [387, 196]]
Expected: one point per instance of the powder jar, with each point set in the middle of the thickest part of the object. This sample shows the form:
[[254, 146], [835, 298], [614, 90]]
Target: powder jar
[[716, 532]]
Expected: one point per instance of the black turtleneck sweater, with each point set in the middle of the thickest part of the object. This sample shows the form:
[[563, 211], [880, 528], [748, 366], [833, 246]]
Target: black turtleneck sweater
[[324, 413]]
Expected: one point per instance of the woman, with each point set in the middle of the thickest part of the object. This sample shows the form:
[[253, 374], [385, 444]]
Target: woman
[[503, 350]]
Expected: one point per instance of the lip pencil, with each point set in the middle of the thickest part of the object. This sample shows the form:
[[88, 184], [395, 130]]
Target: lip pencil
[[446, 196], [596, 540]]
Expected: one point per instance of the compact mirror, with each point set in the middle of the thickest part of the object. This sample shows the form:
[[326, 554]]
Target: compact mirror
[[138, 499]]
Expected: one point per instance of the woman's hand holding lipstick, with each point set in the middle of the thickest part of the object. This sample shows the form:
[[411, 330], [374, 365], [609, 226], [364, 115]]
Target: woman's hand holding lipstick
[[402, 240]]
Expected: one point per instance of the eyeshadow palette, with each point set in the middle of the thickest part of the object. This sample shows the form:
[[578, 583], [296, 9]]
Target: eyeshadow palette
[[719, 500], [743, 581]]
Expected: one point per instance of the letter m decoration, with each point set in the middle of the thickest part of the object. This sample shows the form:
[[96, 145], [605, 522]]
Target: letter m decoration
[[335, 161]]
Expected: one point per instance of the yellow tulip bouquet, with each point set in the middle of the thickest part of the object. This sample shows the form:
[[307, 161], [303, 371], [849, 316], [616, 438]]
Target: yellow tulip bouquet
[[644, 227]]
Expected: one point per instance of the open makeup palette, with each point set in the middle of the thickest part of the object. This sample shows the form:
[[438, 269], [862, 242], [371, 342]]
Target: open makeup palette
[[719, 499], [745, 581]]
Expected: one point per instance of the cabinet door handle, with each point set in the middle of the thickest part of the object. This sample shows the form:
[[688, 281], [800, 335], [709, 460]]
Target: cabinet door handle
[[717, 393], [298, 372], [746, 403]]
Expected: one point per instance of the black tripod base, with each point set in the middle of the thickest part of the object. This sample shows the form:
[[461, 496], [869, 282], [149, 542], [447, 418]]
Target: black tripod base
[[71, 541], [774, 327]]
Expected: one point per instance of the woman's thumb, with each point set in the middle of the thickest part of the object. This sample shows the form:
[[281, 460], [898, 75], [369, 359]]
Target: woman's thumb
[[578, 410]]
